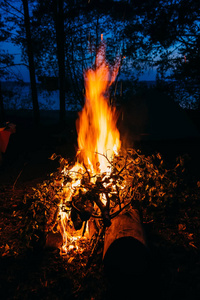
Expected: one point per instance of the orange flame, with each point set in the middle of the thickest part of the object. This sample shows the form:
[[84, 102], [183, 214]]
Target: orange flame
[[96, 126], [98, 136]]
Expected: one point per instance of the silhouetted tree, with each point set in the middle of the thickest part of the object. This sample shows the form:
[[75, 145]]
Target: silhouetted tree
[[17, 22], [6, 60], [166, 34], [83, 26], [160, 34], [31, 62], [60, 40]]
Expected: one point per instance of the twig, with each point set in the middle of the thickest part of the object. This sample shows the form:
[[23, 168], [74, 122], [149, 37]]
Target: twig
[[88, 173], [104, 211], [118, 198], [117, 212], [84, 228], [104, 156], [95, 247], [17, 178]]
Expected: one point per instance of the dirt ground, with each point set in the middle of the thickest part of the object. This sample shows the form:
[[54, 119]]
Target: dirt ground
[[173, 238]]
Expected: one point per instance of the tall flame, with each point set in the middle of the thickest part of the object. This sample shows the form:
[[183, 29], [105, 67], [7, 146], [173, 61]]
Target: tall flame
[[98, 136], [96, 126]]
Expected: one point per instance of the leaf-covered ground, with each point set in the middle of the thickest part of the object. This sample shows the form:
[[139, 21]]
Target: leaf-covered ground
[[173, 233]]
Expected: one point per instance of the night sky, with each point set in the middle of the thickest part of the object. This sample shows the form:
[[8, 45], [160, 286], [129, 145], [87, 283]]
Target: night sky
[[24, 72]]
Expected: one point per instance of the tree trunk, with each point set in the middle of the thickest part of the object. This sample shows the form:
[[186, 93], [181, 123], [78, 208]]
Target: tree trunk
[[2, 112], [31, 63], [60, 39]]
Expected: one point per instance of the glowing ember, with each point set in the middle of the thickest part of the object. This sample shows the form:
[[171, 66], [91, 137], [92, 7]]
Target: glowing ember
[[98, 136]]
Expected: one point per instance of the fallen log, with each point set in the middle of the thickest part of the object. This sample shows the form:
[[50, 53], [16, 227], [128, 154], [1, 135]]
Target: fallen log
[[126, 255]]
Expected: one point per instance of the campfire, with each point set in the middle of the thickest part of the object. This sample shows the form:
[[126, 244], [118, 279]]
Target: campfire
[[93, 188], [83, 201]]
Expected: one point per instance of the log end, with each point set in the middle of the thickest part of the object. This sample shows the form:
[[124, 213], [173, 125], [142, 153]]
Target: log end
[[126, 265]]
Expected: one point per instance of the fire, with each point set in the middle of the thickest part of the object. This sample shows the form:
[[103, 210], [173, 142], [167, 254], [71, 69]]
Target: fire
[[96, 126], [98, 136]]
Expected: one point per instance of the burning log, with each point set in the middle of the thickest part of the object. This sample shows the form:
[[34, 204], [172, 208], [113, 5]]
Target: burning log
[[126, 224], [125, 254]]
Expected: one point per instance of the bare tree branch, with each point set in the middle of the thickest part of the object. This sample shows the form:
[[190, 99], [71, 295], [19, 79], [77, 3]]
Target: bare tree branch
[[20, 12]]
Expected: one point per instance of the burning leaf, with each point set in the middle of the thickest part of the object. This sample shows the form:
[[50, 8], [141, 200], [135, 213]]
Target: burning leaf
[[193, 245], [53, 156], [6, 250], [181, 227]]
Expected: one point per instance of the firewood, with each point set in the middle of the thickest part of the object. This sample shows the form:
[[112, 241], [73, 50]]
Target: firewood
[[126, 224], [125, 253]]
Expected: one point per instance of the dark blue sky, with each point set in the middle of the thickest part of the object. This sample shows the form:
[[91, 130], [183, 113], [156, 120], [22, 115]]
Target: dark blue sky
[[24, 72]]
